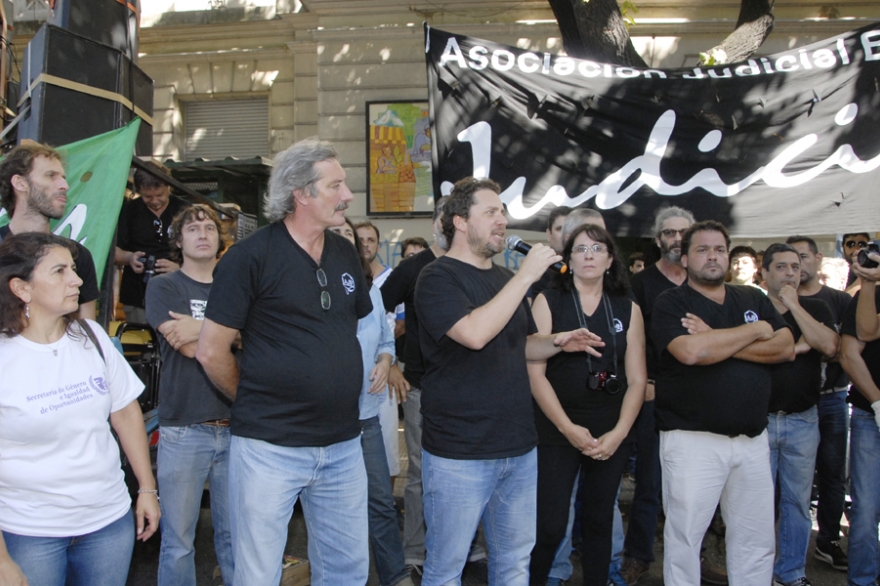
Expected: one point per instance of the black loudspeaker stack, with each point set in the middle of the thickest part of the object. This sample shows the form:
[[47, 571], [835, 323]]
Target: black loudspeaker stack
[[82, 75]]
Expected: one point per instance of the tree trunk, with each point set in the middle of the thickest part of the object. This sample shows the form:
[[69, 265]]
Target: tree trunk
[[595, 30]]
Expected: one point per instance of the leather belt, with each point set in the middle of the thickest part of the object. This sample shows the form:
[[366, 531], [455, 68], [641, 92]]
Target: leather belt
[[217, 423]]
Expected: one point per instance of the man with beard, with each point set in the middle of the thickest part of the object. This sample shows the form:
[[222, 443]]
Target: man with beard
[[716, 343], [833, 413], [142, 233], [33, 190], [793, 427], [295, 291], [400, 288], [478, 444], [669, 226]]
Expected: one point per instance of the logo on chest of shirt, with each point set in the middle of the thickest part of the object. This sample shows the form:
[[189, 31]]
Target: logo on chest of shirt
[[197, 308], [750, 316], [348, 283], [618, 325], [99, 384]]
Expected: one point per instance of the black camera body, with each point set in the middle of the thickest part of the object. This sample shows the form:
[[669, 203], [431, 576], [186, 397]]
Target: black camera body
[[863, 259], [149, 263], [604, 381]]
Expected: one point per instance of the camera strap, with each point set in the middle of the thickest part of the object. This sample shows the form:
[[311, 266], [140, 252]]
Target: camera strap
[[609, 321]]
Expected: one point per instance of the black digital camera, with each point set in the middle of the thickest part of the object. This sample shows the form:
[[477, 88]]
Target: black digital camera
[[149, 262], [604, 381], [863, 255]]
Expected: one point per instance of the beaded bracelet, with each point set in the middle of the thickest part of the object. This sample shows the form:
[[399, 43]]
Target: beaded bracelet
[[150, 491]]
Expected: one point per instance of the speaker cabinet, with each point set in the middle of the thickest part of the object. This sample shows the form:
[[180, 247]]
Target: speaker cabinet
[[60, 115], [110, 22]]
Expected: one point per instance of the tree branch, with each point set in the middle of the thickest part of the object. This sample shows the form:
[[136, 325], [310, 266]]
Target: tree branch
[[754, 25]]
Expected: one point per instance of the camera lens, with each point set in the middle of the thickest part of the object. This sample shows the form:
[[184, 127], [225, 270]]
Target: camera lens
[[863, 259], [612, 386]]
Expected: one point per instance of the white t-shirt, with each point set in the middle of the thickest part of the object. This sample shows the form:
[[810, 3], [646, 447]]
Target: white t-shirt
[[60, 470]]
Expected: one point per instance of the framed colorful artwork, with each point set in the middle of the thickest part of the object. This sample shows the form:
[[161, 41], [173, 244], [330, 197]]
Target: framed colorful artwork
[[399, 179]]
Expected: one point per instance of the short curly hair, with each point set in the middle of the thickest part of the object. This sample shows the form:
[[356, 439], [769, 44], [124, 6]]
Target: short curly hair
[[192, 213], [460, 201], [20, 161]]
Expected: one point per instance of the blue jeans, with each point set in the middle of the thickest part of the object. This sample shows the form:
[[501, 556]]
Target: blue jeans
[[189, 455], [864, 518], [264, 482], [639, 543], [384, 533], [616, 545], [831, 465], [562, 568], [100, 558], [793, 441], [458, 494]]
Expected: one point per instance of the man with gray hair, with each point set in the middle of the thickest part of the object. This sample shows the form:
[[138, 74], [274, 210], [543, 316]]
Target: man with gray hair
[[295, 292]]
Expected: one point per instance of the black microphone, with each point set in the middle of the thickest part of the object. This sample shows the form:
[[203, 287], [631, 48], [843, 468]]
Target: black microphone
[[516, 243]]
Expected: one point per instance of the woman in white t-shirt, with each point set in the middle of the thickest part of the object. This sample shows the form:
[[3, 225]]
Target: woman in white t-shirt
[[65, 513]]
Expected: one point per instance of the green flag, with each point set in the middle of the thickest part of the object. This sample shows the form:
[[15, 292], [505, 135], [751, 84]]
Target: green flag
[[97, 171]]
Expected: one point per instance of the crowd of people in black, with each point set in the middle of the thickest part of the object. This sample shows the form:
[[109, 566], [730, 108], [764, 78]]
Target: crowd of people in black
[[732, 378]]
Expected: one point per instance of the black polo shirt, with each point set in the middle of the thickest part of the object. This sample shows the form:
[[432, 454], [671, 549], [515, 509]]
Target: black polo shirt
[[301, 365], [139, 230], [729, 397]]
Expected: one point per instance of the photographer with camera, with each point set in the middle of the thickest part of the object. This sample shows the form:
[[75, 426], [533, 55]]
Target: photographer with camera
[[860, 358], [142, 246], [716, 342], [588, 401]]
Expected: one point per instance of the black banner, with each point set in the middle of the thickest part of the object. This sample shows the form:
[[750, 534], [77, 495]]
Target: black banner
[[773, 146]]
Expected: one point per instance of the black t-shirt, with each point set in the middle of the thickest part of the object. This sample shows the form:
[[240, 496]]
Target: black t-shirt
[[567, 372], [646, 288], [837, 301], [476, 404], [139, 230], [796, 385], [186, 396], [729, 397], [301, 366], [870, 354], [542, 284], [85, 269], [400, 287]]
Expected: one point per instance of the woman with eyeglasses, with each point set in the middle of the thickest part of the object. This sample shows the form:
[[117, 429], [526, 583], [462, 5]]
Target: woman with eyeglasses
[[588, 401], [65, 512], [377, 348]]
